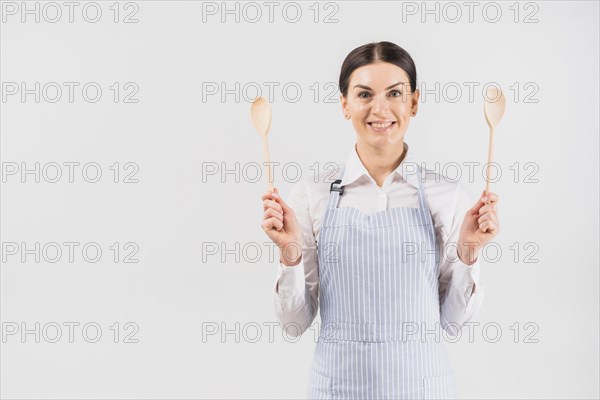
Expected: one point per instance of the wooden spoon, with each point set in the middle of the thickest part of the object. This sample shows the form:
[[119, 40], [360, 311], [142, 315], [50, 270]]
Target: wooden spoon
[[261, 118], [493, 108]]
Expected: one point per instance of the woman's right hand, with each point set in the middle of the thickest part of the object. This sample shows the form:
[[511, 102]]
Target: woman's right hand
[[281, 226]]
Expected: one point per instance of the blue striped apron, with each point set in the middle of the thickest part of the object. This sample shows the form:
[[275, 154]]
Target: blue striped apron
[[380, 334]]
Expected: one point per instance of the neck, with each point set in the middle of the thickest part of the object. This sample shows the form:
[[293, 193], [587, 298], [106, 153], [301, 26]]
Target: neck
[[380, 162]]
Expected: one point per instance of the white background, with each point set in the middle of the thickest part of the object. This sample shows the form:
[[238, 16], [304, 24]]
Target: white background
[[176, 130]]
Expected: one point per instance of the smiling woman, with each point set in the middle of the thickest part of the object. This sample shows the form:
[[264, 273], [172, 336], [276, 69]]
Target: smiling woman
[[388, 253], [378, 93]]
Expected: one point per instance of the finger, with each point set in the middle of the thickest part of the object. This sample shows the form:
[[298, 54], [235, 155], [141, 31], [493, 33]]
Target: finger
[[487, 208], [272, 223], [273, 213], [489, 227], [269, 196], [491, 198], [272, 204], [489, 216], [483, 218], [494, 220], [484, 226], [277, 224], [266, 224]]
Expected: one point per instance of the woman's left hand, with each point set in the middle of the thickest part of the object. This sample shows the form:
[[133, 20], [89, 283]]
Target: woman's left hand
[[478, 228]]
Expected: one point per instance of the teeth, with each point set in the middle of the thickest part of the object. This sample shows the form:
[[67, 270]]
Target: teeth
[[381, 125]]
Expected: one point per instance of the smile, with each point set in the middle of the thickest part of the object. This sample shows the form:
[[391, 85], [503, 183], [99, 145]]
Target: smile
[[381, 127]]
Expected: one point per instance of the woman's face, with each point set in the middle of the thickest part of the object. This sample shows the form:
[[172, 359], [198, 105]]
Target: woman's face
[[380, 103]]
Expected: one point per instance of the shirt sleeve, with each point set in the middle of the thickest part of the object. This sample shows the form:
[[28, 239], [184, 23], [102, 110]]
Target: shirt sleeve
[[460, 290], [297, 287]]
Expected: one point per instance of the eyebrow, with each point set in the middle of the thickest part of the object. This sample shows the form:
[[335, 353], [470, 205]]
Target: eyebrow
[[368, 88]]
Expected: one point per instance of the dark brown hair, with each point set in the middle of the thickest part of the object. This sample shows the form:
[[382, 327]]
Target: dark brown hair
[[373, 52]]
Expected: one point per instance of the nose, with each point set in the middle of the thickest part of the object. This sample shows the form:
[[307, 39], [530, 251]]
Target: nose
[[380, 105]]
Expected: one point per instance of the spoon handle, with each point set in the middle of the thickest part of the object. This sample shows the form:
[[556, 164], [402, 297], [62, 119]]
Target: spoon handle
[[490, 157], [267, 162]]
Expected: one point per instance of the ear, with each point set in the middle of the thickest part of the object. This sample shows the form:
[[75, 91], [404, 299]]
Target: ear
[[344, 104], [415, 101]]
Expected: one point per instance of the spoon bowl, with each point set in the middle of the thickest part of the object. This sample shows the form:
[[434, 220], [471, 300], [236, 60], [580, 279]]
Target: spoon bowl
[[261, 115], [494, 106]]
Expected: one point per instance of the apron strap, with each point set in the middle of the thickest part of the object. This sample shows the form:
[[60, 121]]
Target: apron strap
[[336, 190], [422, 201]]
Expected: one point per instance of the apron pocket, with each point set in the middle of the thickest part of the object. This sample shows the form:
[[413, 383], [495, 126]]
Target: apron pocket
[[439, 387]]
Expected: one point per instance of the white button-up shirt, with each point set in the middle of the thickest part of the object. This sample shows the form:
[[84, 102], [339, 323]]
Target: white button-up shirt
[[460, 292]]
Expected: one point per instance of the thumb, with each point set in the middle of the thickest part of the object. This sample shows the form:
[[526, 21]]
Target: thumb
[[284, 205], [480, 203]]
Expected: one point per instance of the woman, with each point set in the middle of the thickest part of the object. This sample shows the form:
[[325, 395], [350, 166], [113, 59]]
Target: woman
[[390, 251]]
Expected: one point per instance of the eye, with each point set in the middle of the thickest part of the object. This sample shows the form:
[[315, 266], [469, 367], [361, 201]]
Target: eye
[[396, 91], [360, 95]]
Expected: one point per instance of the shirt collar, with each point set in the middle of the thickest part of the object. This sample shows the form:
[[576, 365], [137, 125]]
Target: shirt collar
[[407, 170]]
